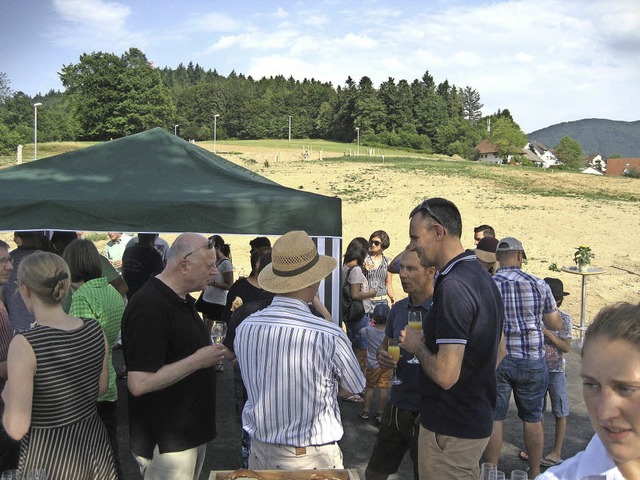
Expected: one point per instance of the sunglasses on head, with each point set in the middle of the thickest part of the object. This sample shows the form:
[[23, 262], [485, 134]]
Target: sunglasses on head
[[209, 246], [424, 207], [375, 243]]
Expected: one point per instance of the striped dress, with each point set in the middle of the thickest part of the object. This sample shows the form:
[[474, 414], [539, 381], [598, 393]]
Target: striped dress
[[66, 437]]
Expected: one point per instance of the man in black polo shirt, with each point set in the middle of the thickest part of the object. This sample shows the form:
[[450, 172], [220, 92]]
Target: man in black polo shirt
[[459, 350], [170, 359]]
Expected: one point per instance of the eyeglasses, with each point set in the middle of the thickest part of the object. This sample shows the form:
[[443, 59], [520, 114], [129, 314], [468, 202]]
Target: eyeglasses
[[209, 246], [424, 206], [4, 261], [375, 243]]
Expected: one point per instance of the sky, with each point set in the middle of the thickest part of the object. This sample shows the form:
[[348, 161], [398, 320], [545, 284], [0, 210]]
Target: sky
[[547, 61]]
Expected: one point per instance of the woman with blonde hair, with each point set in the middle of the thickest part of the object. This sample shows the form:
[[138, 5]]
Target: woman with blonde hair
[[57, 369], [611, 390]]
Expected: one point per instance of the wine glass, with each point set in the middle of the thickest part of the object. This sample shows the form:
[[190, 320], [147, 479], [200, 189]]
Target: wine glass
[[38, 474], [415, 322], [496, 475], [394, 350], [218, 332], [519, 475], [11, 475], [485, 469]]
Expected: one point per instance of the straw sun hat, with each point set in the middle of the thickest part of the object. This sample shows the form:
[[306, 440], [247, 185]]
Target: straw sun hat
[[295, 264]]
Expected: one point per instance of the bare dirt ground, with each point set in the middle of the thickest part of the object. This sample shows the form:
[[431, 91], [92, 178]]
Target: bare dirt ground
[[376, 196]]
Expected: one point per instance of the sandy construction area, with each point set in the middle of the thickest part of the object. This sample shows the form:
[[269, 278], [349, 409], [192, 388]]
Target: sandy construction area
[[378, 197]]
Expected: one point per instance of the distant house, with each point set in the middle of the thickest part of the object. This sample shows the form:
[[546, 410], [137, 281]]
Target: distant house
[[596, 161], [616, 166], [489, 153], [545, 156], [592, 171]]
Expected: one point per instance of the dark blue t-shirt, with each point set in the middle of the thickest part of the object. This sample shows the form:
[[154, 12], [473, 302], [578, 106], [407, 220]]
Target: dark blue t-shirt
[[467, 310], [407, 394]]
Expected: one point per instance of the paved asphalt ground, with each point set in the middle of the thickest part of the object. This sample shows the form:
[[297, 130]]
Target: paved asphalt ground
[[224, 452]]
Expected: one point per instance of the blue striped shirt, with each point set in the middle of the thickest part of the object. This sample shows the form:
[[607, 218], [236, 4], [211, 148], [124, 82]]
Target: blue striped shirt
[[292, 363], [526, 299]]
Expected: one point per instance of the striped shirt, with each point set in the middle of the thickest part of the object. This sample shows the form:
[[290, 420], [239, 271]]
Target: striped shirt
[[292, 363], [378, 276], [98, 300], [526, 299]]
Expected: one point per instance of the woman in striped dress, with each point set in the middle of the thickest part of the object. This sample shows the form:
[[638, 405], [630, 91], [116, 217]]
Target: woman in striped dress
[[377, 267], [57, 369]]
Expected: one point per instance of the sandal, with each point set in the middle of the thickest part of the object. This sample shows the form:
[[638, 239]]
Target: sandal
[[523, 456], [364, 415], [549, 462], [353, 398], [219, 368]]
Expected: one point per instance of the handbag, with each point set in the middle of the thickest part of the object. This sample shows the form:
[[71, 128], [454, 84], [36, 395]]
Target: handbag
[[351, 310]]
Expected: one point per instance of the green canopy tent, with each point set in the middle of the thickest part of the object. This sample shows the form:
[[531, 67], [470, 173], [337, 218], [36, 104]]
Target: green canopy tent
[[156, 182]]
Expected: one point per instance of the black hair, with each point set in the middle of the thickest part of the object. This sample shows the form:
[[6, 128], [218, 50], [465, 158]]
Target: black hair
[[357, 250], [487, 229], [446, 212], [383, 236], [218, 242]]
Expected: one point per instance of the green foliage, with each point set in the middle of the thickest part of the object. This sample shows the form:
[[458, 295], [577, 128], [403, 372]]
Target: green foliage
[[471, 105], [632, 173], [569, 152], [507, 136], [116, 96], [5, 88]]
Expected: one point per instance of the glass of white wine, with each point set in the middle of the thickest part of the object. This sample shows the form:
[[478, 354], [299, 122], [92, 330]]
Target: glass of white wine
[[218, 332]]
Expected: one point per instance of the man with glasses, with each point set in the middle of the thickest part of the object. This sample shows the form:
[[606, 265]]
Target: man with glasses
[[458, 352], [170, 359]]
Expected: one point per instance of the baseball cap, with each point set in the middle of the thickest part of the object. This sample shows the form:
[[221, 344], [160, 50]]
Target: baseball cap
[[381, 310], [510, 244], [486, 249]]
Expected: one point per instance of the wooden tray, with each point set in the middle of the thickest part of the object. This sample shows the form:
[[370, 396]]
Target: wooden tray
[[348, 474]]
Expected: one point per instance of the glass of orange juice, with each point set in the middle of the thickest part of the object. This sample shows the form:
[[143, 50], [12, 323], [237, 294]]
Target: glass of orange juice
[[414, 321], [394, 350]]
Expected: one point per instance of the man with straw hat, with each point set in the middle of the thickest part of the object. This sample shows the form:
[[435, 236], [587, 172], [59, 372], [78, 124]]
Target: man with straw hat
[[293, 364]]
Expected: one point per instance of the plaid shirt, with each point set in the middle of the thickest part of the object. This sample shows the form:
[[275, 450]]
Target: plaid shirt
[[98, 300], [526, 299]]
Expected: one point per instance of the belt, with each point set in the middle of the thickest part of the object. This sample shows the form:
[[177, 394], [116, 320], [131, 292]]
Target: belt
[[303, 450]]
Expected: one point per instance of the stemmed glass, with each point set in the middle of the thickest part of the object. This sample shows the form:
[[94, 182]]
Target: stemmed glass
[[415, 322], [496, 475], [218, 332], [11, 475], [394, 350], [485, 469], [519, 475], [39, 474]]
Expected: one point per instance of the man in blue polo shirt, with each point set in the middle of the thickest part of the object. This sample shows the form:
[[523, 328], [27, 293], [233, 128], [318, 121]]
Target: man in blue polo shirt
[[400, 419], [459, 349]]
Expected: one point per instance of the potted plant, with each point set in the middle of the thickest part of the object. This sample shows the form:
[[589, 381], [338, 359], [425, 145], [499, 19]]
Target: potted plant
[[582, 257]]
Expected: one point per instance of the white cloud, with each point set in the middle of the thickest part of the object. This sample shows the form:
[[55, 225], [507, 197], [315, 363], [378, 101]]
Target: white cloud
[[213, 22], [93, 24]]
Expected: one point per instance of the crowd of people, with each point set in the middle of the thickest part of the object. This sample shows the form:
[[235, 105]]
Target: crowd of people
[[473, 329]]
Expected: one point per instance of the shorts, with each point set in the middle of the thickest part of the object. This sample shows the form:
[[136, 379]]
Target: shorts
[[529, 379], [378, 377], [398, 433], [558, 394]]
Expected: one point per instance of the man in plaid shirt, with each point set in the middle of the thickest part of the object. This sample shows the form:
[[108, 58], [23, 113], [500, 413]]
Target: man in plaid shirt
[[528, 304]]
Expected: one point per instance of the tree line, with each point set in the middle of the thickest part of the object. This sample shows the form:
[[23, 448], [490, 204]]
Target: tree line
[[110, 96]]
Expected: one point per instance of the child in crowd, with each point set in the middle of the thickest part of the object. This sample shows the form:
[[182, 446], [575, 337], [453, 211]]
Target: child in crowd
[[557, 343], [377, 377]]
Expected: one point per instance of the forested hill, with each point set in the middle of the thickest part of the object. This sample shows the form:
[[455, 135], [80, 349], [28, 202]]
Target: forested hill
[[596, 135]]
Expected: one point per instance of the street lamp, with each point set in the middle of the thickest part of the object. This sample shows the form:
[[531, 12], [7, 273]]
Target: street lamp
[[35, 130], [358, 133], [215, 128], [289, 128], [175, 129]]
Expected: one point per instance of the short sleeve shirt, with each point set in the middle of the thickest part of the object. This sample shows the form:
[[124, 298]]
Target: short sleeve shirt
[[214, 294], [160, 328], [555, 359], [357, 277], [467, 310]]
